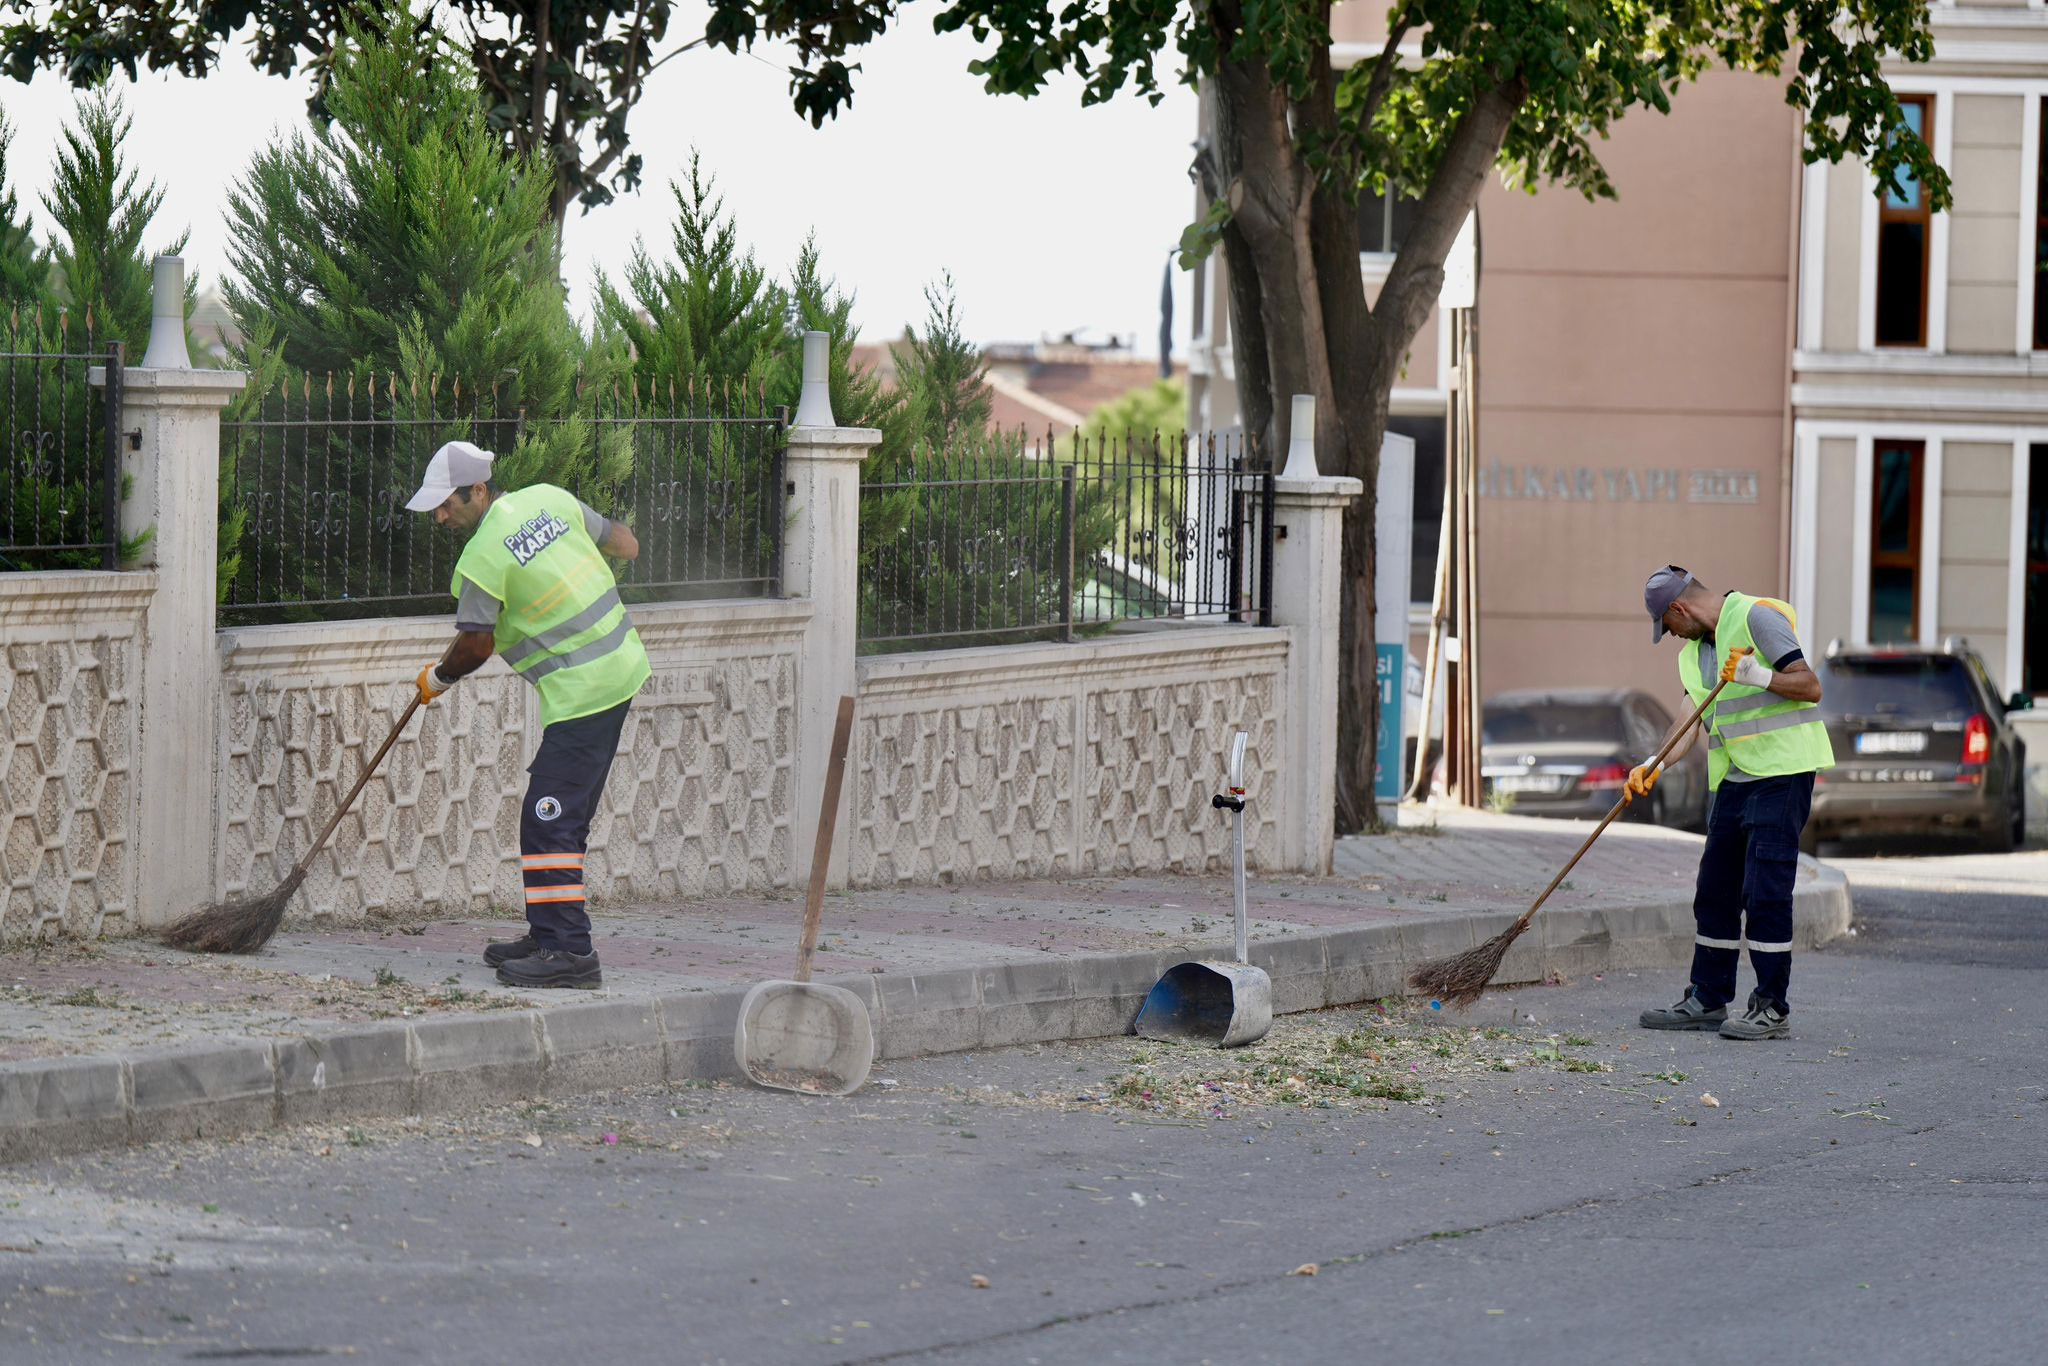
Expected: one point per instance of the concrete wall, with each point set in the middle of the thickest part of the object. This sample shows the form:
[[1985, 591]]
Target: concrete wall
[[1984, 226], [1040, 761], [71, 659], [700, 800], [1976, 546], [1632, 387]]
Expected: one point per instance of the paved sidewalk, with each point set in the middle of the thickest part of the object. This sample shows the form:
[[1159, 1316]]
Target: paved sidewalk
[[117, 1031]]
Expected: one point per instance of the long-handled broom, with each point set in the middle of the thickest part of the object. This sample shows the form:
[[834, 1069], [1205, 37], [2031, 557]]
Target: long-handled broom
[[1460, 979], [246, 925]]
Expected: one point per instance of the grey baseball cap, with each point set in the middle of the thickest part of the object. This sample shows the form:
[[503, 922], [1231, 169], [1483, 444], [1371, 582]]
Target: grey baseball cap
[[456, 465], [1660, 592]]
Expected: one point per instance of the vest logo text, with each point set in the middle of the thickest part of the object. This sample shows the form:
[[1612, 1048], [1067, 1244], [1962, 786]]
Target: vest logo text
[[535, 536]]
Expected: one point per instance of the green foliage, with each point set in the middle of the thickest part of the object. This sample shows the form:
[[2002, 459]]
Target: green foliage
[[62, 308], [943, 380], [1160, 408], [962, 528], [395, 262], [101, 210], [24, 274], [557, 84]]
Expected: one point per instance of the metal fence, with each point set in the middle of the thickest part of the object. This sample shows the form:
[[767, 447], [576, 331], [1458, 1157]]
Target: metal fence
[[60, 464], [319, 471], [1054, 540]]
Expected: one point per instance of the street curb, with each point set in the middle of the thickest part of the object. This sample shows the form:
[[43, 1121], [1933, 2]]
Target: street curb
[[450, 1063]]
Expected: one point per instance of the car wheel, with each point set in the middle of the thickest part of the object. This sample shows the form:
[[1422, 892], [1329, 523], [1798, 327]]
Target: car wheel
[[1657, 811], [2005, 828], [1809, 841]]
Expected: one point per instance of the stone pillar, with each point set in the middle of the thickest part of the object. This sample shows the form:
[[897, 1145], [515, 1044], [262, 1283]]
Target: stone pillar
[[170, 467], [1308, 555], [820, 551]]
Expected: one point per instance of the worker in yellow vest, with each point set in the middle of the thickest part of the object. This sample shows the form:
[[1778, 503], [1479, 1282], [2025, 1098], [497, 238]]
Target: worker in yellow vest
[[532, 585], [1765, 741]]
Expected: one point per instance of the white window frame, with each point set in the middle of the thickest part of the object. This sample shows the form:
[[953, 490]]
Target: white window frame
[[1807, 436]]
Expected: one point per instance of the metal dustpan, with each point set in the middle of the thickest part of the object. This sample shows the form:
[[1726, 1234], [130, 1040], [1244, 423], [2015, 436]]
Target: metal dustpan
[[1225, 1004], [802, 1035]]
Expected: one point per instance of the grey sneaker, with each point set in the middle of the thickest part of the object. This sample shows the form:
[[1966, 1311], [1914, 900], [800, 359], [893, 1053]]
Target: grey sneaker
[[1760, 1020], [1687, 1014]]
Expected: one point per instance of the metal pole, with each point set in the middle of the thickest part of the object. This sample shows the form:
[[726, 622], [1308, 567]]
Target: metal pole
[[1266, 513], [110, 454], [1066, 552], [1237, 855]]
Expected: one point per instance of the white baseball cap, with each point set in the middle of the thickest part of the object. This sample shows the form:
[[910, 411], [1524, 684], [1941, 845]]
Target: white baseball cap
[[456, 465]]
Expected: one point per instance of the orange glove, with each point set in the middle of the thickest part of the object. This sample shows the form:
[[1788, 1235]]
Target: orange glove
[[430, 684], [1642, 778], [1732, 663]]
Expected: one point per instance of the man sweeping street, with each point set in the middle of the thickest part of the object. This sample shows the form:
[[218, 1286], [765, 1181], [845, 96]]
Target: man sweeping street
[[1765, 741], [533, 586]]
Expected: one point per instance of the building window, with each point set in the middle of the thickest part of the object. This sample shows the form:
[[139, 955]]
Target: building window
[[1383, 222], [2041, 239], [1428, 435], [2034, 647], [1895, 541], [1904, 228]]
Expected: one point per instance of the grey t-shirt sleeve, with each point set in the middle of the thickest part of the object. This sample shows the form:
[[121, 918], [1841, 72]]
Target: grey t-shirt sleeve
[[594, 522], [476, 610], [1775, 642]]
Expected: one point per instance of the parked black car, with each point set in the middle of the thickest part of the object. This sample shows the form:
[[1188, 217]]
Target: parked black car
[[1922, 747], [1567, 752]]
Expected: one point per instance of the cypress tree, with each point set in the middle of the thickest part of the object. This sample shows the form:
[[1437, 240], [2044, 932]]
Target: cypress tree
[[101, 210], [24, 274]]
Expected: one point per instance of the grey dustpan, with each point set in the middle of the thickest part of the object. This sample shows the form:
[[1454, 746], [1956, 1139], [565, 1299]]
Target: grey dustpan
[[802, 1035], [1225, 1004]]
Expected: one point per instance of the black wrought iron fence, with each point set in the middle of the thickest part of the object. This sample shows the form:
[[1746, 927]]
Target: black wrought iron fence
[[1054, 540], [705, 496], [320, 471], [60, 464]]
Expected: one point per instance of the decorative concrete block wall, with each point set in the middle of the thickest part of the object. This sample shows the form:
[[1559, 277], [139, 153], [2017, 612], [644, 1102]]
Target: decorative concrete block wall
[[699, 801], [1055, 760], [70, 659]]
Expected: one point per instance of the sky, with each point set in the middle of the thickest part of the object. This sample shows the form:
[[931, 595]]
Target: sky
[[1051, 217]]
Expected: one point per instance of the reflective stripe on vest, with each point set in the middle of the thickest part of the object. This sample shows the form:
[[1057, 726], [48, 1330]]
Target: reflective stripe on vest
[[556, 636], [582, 654], [1777, 735]]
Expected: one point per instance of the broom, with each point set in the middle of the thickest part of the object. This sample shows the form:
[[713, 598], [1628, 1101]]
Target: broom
[[1461, 978], [245, 925]]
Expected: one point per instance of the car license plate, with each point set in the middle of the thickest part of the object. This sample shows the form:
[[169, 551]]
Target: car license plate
[[1530, 782], [1883, 775], [1891, 742]]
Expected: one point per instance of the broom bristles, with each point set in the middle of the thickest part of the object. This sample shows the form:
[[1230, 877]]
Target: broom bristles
[[1461, 979], [242, 926]]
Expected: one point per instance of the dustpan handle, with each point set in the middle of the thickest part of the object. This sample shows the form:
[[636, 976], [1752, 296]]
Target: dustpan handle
[[828, 821]]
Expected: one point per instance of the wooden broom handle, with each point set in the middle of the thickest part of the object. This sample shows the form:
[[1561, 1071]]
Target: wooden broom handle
[[1622, 805], [362, 782], [821, 855]]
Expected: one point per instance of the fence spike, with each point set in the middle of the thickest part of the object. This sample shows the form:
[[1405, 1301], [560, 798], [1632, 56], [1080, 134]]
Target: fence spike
[[306, 388], [88, 320], [458, 388], [330, 386]]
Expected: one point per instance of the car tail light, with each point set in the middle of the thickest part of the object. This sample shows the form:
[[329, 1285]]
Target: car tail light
[[1977, 739], [1604, 776]]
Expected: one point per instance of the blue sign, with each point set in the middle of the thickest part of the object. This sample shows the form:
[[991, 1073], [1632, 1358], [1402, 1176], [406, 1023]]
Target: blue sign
[[1390, 672]]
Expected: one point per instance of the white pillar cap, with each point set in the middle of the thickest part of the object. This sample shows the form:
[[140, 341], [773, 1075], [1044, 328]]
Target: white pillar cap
[[1301, 440], [167, 323], [814, 406]]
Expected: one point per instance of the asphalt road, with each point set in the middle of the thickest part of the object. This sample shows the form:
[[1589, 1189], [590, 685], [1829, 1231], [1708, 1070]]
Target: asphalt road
[[1871, 1189]]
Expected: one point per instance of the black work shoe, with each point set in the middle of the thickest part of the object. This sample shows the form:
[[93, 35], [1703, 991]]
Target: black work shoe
[[1761, 1020], [1689, 1013], [552, 968], [498, 954]]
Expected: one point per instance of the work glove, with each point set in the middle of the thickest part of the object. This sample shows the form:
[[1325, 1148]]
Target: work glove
[[1741, 668], [431, 684], [1642, 778]]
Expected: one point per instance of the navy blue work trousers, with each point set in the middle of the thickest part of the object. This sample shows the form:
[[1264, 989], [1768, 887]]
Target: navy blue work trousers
[[566, 780], [1748, 867]]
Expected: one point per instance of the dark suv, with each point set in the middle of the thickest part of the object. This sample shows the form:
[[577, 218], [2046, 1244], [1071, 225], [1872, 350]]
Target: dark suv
[[1922, 747]]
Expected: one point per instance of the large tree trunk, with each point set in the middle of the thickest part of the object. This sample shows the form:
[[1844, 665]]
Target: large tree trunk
[[1307, 305]]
